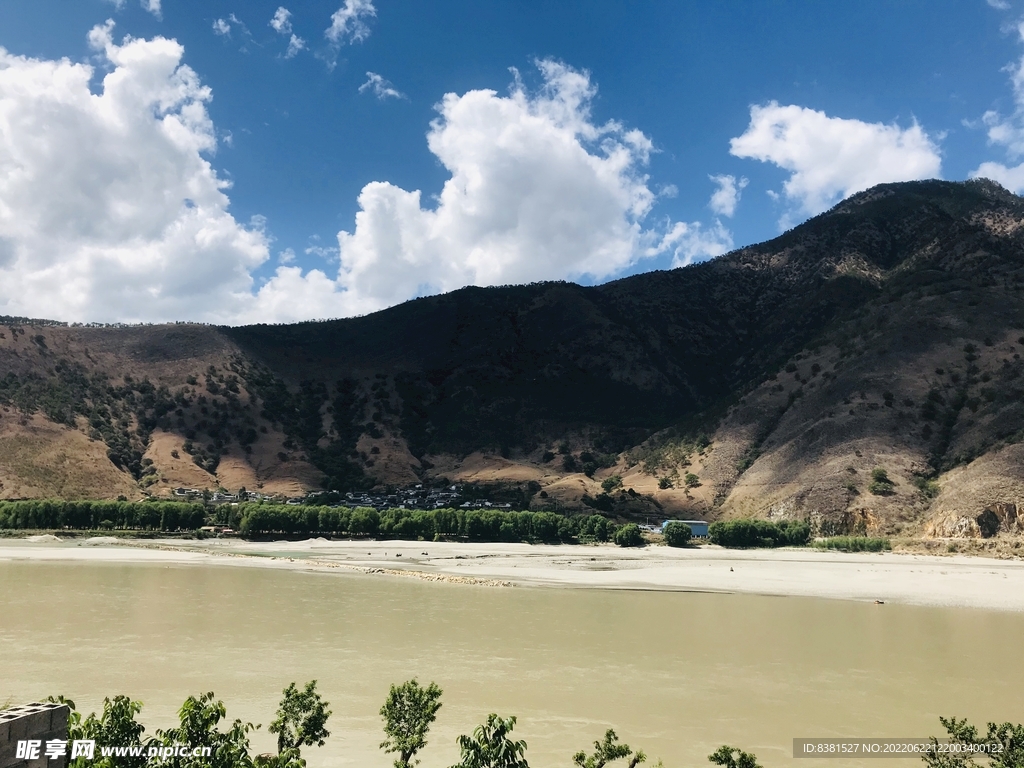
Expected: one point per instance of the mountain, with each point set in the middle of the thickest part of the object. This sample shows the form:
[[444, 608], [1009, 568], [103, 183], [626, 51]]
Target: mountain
[[861, 371]]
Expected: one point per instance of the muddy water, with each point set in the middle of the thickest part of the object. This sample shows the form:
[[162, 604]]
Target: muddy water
[[677, 674]]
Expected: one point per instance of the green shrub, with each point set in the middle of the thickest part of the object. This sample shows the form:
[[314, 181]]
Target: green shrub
[[629, 536], [928, 488], [880, 484], [678, 534], [854, 544], [609, 484], [691, 480]]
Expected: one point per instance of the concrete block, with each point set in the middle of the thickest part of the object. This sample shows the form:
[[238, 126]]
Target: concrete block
[[41, 722]]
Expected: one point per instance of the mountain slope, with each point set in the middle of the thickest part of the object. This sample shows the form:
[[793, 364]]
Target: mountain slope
[[882, 335]]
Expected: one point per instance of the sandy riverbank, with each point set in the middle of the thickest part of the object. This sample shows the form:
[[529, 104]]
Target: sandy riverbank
[[897, 578]]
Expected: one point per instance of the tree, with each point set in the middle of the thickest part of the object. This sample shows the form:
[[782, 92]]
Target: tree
[[724, 756], [609, 484], [607, 751], [301, 719], [199, 718], [490, 746], [115, 727], [408, 712], [880, 484], [678, 534], [691, 480], [629, 536], [1002, 746]]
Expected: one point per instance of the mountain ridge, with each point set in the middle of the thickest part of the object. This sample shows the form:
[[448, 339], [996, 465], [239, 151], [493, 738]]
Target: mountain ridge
[[794, 360]]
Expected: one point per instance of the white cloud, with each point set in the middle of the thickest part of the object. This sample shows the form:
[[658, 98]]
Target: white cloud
[[108, 208], [222, 28], [118, 4], [999, 5], [537, 191], [693, 242], [1007, 132], [153, 6], [727, 196], [830, 158], [382, 89], [283, 25], [327, 253], [348, 23], [295, 45], [281, 22], [1010, 177]]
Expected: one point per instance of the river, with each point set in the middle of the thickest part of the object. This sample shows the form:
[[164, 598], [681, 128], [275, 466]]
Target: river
[[675, 673]]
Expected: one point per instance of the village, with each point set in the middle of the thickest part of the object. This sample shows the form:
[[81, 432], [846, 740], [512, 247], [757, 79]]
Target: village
[[414, 497]]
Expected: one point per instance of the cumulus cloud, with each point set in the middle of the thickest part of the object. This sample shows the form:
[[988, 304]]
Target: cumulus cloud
[[153, 6], [109, 209], [1007, 131], [727, 196], [281, 22], [831, 158], [689, 243], [999, 5], [382, 89], [349, 23], [225, 28], [537, 191], [1011, 177], [295, 44]]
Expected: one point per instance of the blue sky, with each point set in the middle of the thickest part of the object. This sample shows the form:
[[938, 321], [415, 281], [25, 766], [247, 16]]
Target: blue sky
[[112, 215]]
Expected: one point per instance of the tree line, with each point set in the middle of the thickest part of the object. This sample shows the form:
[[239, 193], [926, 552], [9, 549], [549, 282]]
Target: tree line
[[478, 525], [260, 519], [407, 714], [483, 525], [91, 515]]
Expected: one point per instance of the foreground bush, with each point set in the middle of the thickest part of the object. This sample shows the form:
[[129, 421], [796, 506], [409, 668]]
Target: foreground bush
[[854, 544], [301, 722], [759, 533], [678, 534]]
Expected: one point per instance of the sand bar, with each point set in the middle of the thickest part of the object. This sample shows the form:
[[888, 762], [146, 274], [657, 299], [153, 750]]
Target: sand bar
[[957, 581]]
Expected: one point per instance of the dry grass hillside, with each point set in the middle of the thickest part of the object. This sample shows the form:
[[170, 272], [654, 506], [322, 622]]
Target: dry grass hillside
[[861, 371]]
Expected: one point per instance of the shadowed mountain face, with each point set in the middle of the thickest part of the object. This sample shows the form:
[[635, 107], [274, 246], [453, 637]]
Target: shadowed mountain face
[[883, 334]]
